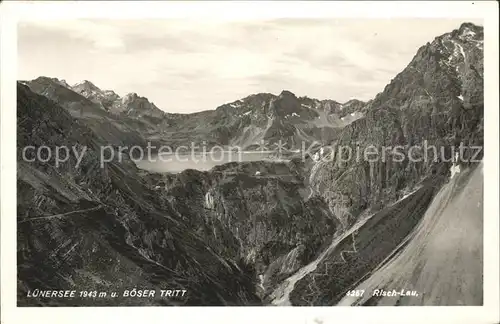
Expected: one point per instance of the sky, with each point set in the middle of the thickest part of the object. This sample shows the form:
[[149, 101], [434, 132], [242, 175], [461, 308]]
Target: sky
[[187, 65]]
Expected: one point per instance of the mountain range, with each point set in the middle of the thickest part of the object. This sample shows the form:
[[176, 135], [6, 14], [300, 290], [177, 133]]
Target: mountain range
[[295, 232], [244, 123]]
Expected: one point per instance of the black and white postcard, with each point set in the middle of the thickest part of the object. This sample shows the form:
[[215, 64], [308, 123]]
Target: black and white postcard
[[250, 154]]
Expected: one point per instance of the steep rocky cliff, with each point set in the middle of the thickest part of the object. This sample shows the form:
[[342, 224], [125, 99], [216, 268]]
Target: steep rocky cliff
[[234, 232], [90, 91], [437, 247], [436, 101], [262, 212], [93, 228]]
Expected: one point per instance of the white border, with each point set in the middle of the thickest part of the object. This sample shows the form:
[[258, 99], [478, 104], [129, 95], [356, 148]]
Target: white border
[[11, 12]]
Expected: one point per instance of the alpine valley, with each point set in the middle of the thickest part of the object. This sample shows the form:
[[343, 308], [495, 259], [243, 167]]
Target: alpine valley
[[294, 231]]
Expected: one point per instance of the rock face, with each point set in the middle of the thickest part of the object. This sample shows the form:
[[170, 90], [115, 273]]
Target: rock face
[[114, 227], [258, 218], [90, 91], [285, 233], [436, 101], [104, 228], [436, 244]]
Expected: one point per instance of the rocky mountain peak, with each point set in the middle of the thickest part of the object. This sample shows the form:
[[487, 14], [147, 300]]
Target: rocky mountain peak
[[470, 29], [87, 85], [133, 97], [286, 93], [285, 104], [61, 82], [257, 100], [352, 102], [49, 80], [87, 89], [136, 106], [444, 73], [104, 98]]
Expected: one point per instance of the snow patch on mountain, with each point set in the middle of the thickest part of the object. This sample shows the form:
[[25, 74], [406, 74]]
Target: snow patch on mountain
[[461, 49]]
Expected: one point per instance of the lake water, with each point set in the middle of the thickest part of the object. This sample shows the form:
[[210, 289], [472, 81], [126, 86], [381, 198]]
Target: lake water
[[175, 163]]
